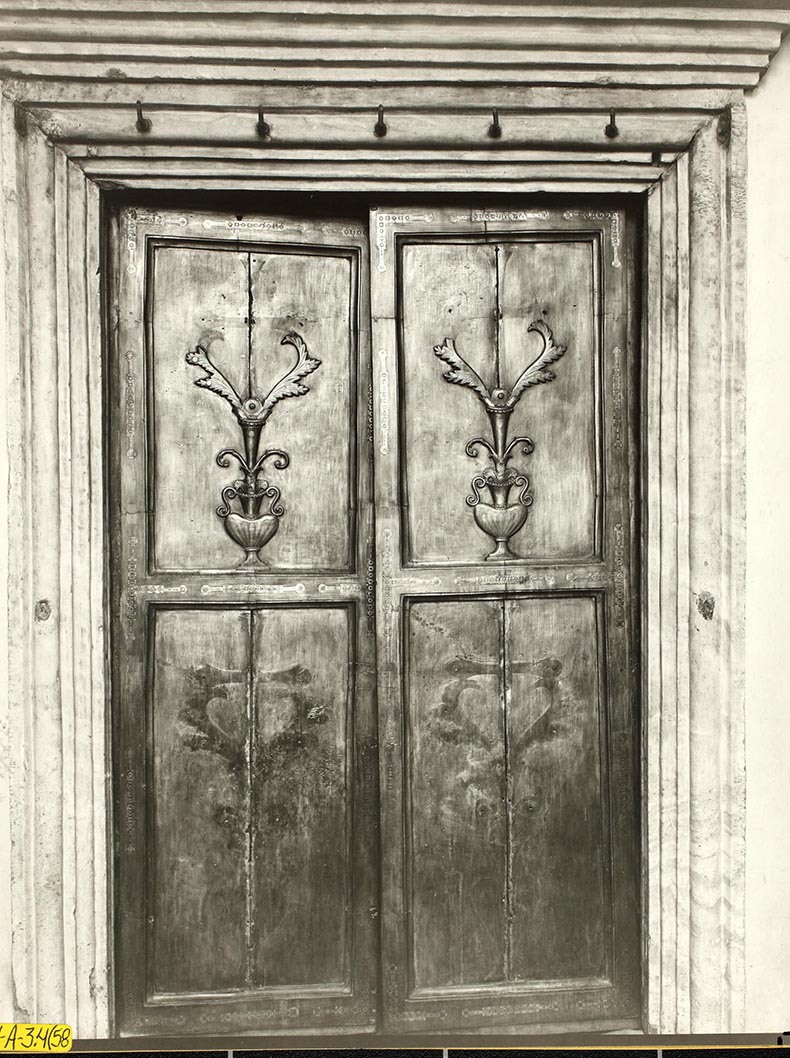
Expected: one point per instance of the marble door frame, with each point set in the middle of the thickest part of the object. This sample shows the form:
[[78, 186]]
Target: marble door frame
[[693, 590]]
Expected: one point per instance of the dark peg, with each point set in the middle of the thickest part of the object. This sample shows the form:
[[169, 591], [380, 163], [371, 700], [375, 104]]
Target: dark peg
[[495, 129], [611, 131], [143, 123], [380, 128], [262, 127]]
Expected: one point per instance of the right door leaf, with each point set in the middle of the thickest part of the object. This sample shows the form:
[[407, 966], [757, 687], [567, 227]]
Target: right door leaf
[[507, 533]]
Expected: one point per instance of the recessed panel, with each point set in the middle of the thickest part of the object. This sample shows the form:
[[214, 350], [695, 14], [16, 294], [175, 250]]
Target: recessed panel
[[278, 329], [558, 825], [456, 796], [250, 880], [199, 800], [508, 834], [300, 802], [498, 308]]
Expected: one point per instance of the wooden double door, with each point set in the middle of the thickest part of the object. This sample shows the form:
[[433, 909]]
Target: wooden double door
[[373, 528]]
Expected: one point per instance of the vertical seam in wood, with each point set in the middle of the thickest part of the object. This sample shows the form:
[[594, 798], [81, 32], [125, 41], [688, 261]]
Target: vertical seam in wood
[[250, 742], [498, 310], [249, 850], [504, 693], [250, 318]]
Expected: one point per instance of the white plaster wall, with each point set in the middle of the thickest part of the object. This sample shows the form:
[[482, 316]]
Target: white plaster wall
[[768, 553]]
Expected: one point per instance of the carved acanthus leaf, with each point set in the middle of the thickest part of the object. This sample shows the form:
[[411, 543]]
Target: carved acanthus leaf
[[460, 372], [213, 380], [537, 371], [290, 385]]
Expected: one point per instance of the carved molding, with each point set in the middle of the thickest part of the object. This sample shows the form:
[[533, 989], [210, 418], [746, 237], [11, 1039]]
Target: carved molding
[[554, 74], [694, 757], [500, 42], [383, 220], [614, 221], [55, 703]]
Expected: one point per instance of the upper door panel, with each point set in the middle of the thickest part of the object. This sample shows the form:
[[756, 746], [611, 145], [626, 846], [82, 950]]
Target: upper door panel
[[498, 302], [238, 305]]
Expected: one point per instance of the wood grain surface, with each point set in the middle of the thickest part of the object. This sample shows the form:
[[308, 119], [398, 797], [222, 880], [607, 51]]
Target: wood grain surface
[[243, 696], [457, 802], [513, 896], [200, 799], [237, 306], [456, 289], [300, 825], [251, 841]]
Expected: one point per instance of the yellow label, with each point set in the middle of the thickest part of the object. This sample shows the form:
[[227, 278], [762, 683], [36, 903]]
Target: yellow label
[[20, 1038]]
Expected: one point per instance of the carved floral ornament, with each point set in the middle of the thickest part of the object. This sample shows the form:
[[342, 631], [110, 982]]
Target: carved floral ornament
[[251, 528], [504, 516]]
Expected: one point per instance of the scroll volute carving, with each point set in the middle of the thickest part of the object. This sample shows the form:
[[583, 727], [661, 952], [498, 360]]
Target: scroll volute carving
[[508, 488], [259, 518]]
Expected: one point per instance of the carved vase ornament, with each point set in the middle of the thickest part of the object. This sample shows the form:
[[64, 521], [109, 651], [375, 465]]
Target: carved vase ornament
[[253, 527], [508, 489]]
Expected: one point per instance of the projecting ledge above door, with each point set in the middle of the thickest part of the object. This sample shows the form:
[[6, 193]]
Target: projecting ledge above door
[[574, 94]]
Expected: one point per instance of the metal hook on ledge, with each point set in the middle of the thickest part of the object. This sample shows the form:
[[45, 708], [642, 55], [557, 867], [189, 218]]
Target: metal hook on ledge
[[380, 128], [143, 124], [495, 129], [262, 127], [611, 131]]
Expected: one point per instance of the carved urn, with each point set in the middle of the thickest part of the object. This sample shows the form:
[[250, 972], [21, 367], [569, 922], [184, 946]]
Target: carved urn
[[509, 495], [254, 525]]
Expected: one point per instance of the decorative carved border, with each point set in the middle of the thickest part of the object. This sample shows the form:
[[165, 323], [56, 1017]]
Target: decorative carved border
[[57, 704], [56, 716]]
